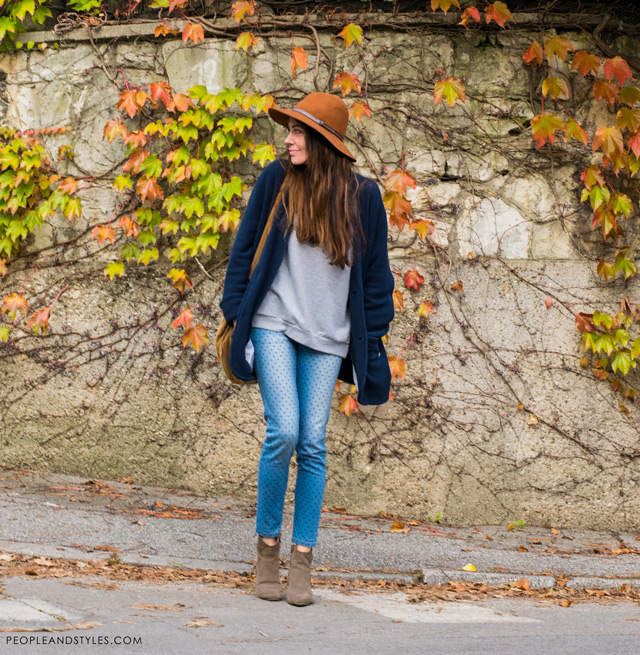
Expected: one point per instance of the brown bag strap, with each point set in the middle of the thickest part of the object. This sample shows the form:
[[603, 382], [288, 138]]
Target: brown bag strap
[[265, 235]]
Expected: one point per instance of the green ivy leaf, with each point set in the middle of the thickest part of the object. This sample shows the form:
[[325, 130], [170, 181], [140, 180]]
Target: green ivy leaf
[[129, 251], [604, 342], [113, 269], [621, 361], [122, 182], [602, 319], [145, 237], [147, 255]]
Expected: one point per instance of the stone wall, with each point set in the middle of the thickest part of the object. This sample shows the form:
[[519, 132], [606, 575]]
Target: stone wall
[[495, 420]]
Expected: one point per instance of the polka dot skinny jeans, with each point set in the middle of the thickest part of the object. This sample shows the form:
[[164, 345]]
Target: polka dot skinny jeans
[[296, 384]]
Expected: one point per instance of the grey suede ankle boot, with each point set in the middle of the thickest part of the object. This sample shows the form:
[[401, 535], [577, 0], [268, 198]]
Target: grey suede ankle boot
[[299, 581], [268, 585]]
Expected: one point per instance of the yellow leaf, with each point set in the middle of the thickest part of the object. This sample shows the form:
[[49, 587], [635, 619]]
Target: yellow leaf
[[469, 567]]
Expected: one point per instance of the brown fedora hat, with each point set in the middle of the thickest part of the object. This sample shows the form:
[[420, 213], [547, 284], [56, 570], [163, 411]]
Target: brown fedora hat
[[323, 112]]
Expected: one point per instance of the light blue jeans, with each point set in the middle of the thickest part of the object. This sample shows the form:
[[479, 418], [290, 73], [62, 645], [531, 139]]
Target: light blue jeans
[[296, 384]]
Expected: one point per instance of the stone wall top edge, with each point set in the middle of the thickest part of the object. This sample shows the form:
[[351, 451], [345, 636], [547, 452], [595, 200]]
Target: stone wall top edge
[[145, 27]]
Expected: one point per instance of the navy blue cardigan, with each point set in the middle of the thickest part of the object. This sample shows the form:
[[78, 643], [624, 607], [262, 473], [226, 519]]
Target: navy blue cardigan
[[370, 285]]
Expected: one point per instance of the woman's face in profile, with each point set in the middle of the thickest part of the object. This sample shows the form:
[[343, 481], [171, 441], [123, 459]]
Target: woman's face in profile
[[297, 143]]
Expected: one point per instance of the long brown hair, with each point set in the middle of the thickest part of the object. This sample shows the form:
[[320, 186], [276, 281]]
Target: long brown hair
[[323, 194]]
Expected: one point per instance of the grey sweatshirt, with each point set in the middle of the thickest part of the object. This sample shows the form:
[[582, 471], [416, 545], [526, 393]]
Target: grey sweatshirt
[[308, 300]]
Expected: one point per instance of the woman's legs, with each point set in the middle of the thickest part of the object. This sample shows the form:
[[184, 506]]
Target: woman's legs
[[317, 374], [296, 384], [275, 367]]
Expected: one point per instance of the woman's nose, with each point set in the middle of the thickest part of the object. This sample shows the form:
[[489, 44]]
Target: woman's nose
[[288, 139]]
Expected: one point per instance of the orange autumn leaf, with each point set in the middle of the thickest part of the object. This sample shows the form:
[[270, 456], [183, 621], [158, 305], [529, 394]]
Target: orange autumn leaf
[[398, 181], [39, 321], [397, 366], [13, 304], [608, 91], [423, 227], [413, 280], [197, 336], [585, 63], [451, 88], [299, 59], [557, 46], [149, 189], [68, 185], [184, 318], [130, 226], [499, 12], [241, 9], [160, 91], [347, 82], [445, 5], [353, 32], [457, 286], [3, 267], [469, 12], [544, 128], [181, 102], [555, 86], [399, 209], [194, 32], [135, 159], [113, 128], [103, 232], [180, 279], [128, 102], [609, 139], [135, 139], [398, 300], [425, 309], [618, 68], [246, 40], [573, 130], [634, 144], [534, 52], [347, 404], [359, 109]]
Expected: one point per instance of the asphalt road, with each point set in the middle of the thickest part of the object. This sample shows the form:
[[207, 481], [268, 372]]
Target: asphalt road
[[94, 615]]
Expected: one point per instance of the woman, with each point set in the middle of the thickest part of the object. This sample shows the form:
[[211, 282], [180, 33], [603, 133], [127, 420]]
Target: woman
[[314, 309]]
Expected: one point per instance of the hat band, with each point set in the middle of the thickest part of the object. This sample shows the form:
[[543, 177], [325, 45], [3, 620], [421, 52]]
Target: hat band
[[319, 122]]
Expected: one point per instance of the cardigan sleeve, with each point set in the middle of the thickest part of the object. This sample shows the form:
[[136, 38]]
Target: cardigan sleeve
[[378, 280], [246, 240]]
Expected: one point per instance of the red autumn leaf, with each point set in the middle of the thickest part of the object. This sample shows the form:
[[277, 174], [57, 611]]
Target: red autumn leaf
[[397, 366], [39, 321], [193, 31], [149, 189], [299, 59], [13, 304], [425, 309], [634, 144], [607, 90], [347, 404], [413, 280], [135, 159], [103, 232], [359, 109], [160, 91], [197, 336], [573, 130], [399, 209], [177, 3], [585, 63], [609, 139], [557, 46], [445, 5], [469, 12], [161, 30], [113, 128], [499, 12], [544, 128], [423, 227], [347, 82], [398, 300], [246, 40], [68, 185], [548, 302], [451, 88], [241, 9], [618, 68], [534, 52], [185, 318], [584, 322]]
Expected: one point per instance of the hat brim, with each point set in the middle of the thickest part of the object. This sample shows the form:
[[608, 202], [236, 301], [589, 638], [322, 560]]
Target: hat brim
[[282, 116]]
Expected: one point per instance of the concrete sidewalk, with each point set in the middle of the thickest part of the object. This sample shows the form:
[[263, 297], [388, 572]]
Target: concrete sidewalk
[[63, 516]]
